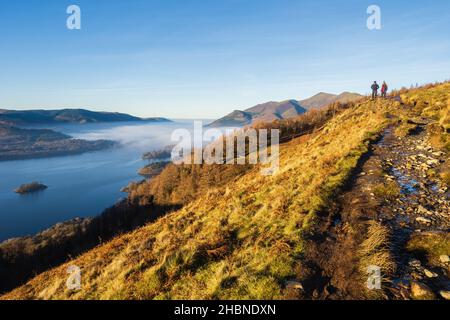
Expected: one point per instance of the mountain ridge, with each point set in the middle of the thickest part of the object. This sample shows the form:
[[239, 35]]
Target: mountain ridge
[[280, 110], [41, 116]]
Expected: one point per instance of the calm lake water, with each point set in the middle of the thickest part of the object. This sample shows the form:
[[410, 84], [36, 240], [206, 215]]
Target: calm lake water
[[81, 185]]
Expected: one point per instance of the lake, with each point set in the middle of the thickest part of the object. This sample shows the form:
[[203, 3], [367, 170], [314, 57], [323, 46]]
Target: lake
[[81, 185]]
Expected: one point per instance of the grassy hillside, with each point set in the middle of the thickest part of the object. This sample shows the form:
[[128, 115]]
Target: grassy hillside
[[434, 101], [247, 235], [240, 240]]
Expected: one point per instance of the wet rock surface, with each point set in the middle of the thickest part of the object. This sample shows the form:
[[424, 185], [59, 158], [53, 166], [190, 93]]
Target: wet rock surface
[[421, 208], [424, 200], [397, 187]]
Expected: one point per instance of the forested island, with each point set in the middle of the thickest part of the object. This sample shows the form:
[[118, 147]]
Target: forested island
[[30, 188]]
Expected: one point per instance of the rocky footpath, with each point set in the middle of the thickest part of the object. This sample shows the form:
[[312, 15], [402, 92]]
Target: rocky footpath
[[416, 206], [424, 200], [397, 186]]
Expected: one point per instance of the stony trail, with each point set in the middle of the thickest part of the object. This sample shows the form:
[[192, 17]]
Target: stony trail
[[396, 185], [424, 200], [421, 208]]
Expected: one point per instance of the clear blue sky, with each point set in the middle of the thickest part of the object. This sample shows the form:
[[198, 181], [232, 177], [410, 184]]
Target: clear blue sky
[[205, 58]]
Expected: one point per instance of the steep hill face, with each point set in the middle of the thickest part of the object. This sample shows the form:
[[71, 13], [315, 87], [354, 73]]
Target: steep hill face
[[288, 109], [241, 240], [12, 117], [309, 231]]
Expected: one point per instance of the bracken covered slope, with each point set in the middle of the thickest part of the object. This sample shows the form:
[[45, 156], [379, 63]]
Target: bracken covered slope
[[242, 240]]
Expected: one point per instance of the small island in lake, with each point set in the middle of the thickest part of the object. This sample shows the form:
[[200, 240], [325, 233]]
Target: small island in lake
[[31, 187]]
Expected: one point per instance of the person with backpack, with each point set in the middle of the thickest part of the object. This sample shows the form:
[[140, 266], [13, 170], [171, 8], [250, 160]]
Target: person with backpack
[[375, 88], [384, 89]]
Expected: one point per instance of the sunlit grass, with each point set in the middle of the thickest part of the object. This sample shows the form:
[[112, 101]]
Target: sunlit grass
[[242, 238]]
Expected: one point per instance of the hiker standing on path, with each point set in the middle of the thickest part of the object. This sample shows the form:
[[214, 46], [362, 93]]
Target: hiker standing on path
[[375, 88], [384, 89]]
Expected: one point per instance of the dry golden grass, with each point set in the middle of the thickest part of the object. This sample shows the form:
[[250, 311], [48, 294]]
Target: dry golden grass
[[238, 240], [432, 101], [375, 251], [446, 177], [404, 129]]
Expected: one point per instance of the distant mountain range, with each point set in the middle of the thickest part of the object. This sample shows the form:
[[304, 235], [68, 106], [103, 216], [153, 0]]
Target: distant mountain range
[[27, 117], [270, 111]]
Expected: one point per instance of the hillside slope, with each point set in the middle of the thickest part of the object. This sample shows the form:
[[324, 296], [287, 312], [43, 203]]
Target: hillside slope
[[264, 237], [394, 213], [242, 240]]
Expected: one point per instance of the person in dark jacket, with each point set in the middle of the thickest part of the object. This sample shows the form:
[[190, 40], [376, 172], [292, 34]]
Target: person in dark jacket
[[384, 89], [375, 88]]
